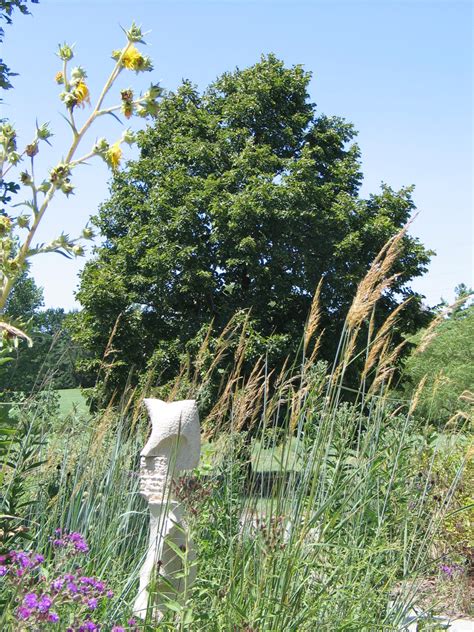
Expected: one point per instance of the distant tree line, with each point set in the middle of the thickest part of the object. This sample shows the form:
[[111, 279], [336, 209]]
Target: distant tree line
[[51, 361]]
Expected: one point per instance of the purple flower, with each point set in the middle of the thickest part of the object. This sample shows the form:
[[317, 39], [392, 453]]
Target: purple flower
[[58, 543], [57, 584], [79, 542], [21, 558], [53, 617], [44, 603], [39, 559], [3, 571], [30, 600], [110, 594], [23, 613], [92, 603], [72, 587], [447, 570], [132, 622], [100, 586], [88, 626], [118, 628]]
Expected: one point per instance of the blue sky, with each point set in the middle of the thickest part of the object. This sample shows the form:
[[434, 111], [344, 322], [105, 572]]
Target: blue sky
[[400, 71]]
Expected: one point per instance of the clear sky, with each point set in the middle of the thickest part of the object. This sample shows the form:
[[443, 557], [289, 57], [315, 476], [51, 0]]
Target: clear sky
[[401, 71]]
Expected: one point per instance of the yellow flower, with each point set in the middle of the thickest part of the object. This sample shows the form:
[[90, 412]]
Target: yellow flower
[[132, 58], [59, 78], [5, 225], [81, 92], [113, 155]]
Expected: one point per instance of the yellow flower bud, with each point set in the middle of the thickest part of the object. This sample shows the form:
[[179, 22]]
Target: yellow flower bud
[[114, 155], [5, 225], [81, 93]]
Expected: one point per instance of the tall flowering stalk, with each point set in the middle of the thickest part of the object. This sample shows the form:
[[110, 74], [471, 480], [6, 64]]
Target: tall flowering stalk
[[16, 246]]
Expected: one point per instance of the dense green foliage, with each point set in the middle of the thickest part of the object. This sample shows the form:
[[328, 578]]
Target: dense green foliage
[[243, 197], [51, 359], [447, 363]]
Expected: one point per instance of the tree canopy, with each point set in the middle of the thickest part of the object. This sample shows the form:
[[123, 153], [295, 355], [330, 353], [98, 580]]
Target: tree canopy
[[243, 197]]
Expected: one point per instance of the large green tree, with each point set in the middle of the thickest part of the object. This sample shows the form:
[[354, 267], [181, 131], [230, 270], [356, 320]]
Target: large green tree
[[242, 197]]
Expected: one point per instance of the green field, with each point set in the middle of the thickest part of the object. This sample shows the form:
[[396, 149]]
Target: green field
[[72, 400]]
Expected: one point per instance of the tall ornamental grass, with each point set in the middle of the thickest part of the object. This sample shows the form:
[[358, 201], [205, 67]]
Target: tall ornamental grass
[[307, 512]]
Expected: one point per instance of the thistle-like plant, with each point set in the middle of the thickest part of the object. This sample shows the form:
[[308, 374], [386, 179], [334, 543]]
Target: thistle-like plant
[[18, 227]]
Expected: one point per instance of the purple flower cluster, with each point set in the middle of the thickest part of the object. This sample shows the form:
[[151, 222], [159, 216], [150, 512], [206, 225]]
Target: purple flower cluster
[[73, 543], [88, 591], [19, 562], [70, 598], [37, 608], [450, 570]]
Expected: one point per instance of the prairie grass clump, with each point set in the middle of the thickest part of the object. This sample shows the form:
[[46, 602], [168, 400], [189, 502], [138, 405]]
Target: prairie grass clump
[[308, 511]]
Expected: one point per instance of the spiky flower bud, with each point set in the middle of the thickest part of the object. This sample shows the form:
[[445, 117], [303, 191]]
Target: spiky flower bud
[[8, 137], [77, 251], [14, 158], [88, 233], [25, 178], [101, 146], [23, 221], [32, 149], [66, 187], [13, 265], [134, 33], [43, 132], [65, 52], [69, 99], [129, 137], [77, 74], [59, 174], [44, 186]]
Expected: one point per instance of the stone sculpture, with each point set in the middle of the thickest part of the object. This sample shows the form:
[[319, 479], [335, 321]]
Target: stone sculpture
[[174, 445]]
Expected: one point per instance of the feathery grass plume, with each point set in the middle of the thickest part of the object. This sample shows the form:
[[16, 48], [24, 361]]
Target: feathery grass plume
[[314, 317], [375, 346], [202, 353], [467, 396], [376, 280], [106, 366], [369, 291], [221, 347], [386, 367], [416, 396], [431, 331], [247, 400]]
